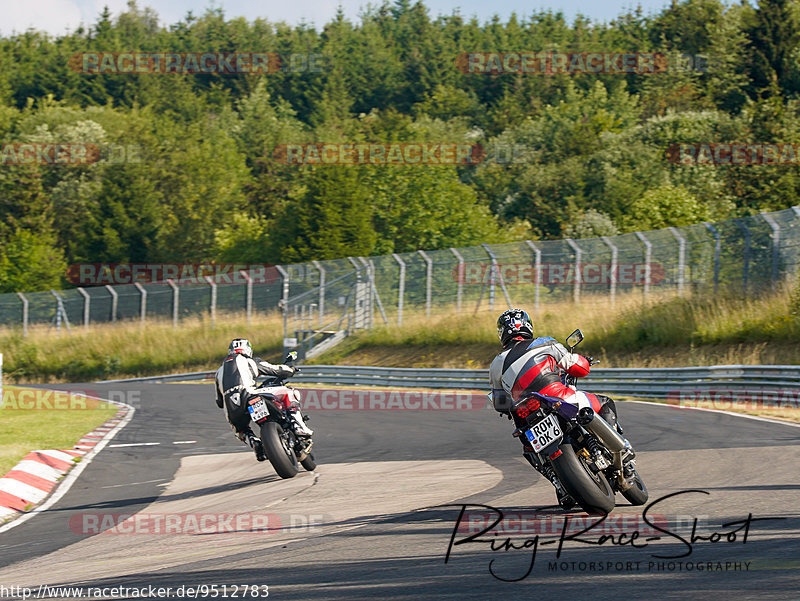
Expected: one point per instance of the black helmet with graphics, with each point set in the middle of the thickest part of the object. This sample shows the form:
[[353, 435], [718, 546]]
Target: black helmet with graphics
[[514, 323]]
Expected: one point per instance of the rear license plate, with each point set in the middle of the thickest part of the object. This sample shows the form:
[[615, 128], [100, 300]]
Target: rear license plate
[[545, 433], [258, 410]]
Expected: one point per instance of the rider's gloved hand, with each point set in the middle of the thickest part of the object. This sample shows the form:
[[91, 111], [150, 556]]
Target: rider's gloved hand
[[286, 371]]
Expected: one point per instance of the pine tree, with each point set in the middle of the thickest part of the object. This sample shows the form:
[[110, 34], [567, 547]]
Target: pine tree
[[774, 36], [333, 218]]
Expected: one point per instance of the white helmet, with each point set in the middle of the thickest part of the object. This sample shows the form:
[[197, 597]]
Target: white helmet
[[240, 345]]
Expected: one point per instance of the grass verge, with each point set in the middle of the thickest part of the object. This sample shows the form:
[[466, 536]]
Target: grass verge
[[130, 349], [666, 331], [32, 420]]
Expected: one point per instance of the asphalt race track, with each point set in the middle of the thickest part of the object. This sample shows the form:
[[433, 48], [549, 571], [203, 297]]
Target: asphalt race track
[[365, 524]]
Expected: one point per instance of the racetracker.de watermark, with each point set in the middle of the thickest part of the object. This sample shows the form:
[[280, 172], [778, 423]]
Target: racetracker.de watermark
[[574, 63], [29, 153], [192, 63], [726, 400], [99, 274], [19, 398], [733, 153], [534, 522], [352, 399], [419, 153], [561, 274], [167, 524]]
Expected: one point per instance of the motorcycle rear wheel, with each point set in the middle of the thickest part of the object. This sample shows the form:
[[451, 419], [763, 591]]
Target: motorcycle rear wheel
[[591, 490], [279, 447]]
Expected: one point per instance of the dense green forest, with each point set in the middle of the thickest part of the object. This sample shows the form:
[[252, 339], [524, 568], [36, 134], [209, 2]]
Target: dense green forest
[[205, 182]]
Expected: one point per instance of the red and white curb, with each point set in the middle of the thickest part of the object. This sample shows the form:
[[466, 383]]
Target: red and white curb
[[34, 478]]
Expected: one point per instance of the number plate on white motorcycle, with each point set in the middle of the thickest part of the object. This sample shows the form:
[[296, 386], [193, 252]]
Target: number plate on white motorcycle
[[545, 433], [258, 410]]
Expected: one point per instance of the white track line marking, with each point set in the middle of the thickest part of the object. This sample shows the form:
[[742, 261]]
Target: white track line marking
[[733, 413], [136, 483], [76, 471], [184, 442], [133, 444]]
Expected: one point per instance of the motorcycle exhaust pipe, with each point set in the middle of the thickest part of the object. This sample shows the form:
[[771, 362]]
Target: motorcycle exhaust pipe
[[304, 453], [602, 429]]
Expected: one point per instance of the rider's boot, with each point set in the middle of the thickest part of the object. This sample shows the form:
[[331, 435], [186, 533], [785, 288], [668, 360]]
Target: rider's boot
[[247, 437], [564, 499], [609, 413], [300, 427]]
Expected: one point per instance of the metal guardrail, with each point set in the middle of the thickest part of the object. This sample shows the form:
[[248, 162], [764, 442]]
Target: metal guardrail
[[653, 382]]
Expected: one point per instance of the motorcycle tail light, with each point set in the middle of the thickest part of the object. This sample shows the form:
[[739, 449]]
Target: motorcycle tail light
[[532, 404]]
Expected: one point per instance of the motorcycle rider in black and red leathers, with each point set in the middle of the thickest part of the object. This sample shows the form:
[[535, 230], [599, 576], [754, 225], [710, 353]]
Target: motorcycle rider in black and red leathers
[[236, 381], [534, 365]]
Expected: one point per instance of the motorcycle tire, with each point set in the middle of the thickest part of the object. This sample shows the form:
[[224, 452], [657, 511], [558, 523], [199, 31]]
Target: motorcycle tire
[[636, 494], [308, 463], [591, 490], [279, 447]]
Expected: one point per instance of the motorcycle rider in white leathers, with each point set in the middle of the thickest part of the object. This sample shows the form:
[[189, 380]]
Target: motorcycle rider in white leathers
[[236, 381]]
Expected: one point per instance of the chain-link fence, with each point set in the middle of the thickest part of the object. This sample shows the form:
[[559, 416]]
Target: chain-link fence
[[321, 298]]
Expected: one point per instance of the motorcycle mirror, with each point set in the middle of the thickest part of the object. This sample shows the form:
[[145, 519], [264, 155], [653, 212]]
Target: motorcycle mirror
[[291, 356], [574, 339]]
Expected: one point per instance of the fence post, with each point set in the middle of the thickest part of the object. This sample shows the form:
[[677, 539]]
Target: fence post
[[537, 268], [175, 300], [612, 284], [113, 294], [428, 282], [717, 248], [459, 278], [86, 301], [142, 301], [24, 313], [213, 307], [358, 313], [284, 302], [776, 240], [371, 275], [401, 288], [495, 267], [681, 259], [248, 301], [61, 312], [746, 265], [648, 252], [576, 290], [321, 270]]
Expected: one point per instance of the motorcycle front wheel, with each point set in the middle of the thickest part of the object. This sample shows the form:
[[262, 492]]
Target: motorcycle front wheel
[[309, 463], [589, 489], [636, 494], [279, 443]]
